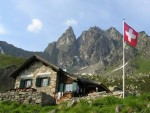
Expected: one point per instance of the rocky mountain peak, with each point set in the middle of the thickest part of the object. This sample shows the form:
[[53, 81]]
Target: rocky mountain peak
[[67, 38], [95, 30], [142, 34], [143, 37], [94, 46], [112, 30], [114, 34], [69, 30], [92, 34], [143, 45], [63, 51], [50, 47]]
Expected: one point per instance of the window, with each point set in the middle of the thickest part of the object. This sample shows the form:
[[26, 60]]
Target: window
[[25, 83], [44, 82], [41, 82], [68, 87]]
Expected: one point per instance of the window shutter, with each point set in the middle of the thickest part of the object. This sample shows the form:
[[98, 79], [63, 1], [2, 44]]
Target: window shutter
[[61, 87], [49, 80], [38, 82], [22, 84], [31, 82], [74, 86]]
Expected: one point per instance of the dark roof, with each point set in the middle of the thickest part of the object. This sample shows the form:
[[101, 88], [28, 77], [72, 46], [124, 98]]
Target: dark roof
[[94, 83], [30, 61], [74, 77]]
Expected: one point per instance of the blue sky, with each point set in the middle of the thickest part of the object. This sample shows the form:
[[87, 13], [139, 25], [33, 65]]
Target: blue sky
[[32, 24]]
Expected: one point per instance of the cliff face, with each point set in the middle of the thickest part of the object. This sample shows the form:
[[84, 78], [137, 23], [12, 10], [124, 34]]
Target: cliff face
[[92, 52], [92, 47]]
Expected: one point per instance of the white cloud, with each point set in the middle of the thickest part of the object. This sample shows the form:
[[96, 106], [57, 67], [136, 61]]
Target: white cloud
[[2, 30], [71, 22], [35, 26]]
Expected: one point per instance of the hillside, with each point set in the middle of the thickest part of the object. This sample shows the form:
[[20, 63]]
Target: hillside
[[137, 76], [7, 60], [7, 65], [11, 50]]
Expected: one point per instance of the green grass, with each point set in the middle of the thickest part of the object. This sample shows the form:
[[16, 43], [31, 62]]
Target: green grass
[[16, 107], [143, 65], [6, 60], [108, 104]]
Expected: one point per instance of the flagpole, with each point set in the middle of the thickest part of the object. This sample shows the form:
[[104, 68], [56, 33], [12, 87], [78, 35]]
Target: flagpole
[[123, 63]]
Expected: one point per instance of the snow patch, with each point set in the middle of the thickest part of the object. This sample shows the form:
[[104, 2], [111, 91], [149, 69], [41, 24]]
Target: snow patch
[[90, 74], [84, 67], [86, 56], [1, 51], [77, 58], [83, 74], [67, 41], [120, 67]]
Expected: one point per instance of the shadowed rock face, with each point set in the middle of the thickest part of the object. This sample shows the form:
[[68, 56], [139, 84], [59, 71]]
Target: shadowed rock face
[[94, 48], [6, 82]]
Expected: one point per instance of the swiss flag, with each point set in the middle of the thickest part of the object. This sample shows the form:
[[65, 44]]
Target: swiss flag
[[130, 35]]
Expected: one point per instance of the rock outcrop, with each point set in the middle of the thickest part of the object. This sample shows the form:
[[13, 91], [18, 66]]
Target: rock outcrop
[[6, 82]]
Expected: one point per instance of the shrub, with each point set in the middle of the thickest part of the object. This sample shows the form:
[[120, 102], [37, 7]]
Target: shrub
[[110, 100], [134, 104], [145, 97]]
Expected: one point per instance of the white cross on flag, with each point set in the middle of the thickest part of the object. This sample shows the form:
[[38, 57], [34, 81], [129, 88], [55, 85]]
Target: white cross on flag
[[130, 35]]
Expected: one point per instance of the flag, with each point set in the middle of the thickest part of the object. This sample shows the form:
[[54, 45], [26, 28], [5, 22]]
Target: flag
[[130, 35]]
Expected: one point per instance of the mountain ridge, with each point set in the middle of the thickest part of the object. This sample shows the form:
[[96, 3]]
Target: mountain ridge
[[94, 48]]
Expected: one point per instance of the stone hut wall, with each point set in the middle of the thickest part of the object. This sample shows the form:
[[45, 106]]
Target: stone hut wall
[[38, 69], [28, 97]]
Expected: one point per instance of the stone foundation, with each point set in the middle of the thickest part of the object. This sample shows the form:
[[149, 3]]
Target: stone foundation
[[28, 97]]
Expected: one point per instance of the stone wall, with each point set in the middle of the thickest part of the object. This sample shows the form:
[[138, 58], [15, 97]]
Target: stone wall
[[38, 69], [28, 97], [102, 94]]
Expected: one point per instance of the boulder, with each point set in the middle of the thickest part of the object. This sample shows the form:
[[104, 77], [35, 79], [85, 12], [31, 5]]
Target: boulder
[[114, 88], [72, 102], [119, 108]]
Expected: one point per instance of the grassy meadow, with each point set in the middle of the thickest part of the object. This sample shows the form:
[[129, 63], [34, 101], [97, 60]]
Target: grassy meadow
[[131, 104]]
